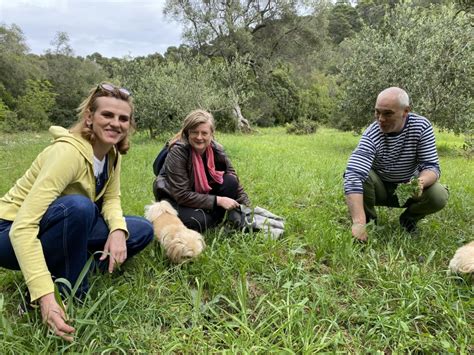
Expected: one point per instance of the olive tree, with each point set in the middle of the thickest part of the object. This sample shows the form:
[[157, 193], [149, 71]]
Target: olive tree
[[165, 93], [426, 51]]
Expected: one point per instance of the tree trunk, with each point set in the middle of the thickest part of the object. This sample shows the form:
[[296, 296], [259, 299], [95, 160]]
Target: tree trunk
[[242, 123]]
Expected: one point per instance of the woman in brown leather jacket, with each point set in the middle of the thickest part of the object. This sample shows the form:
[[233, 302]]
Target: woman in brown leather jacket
[[198, 178]]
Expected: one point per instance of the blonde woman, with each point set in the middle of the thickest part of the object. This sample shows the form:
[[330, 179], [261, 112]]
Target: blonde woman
[[198, 178], [67, 205]]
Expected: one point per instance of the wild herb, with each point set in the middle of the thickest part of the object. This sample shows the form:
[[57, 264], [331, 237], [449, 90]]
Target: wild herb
[[407, 191]]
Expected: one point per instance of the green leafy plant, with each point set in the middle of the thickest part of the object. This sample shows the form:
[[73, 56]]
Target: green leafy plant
[[407, 191]]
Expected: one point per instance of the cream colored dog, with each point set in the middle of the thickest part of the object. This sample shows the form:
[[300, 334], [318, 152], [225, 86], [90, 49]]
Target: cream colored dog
[[179, 242], [463, 259]]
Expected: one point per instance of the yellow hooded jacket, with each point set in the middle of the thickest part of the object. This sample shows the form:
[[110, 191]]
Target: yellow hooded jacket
[[63, 168]]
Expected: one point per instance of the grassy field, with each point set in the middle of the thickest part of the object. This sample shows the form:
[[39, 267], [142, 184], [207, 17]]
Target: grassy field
[[314, 290]]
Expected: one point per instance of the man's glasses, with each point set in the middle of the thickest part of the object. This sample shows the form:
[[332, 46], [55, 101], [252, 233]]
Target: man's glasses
[[113, 89]]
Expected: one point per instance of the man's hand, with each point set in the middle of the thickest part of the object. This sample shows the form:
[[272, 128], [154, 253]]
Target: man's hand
[[226, 202], [355, 202], [359, 232], [419, 190], [54, 316], [426, 179], [116, 246]]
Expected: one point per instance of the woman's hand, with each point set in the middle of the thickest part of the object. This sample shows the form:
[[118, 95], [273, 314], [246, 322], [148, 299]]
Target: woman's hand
[[116, 246], [54, 316], [226, 202]]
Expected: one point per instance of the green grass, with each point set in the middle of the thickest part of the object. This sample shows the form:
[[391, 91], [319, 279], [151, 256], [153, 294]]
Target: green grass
[[314, 290]]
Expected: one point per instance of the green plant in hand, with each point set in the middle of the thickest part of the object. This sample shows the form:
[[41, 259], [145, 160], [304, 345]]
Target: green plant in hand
[[406, 191]]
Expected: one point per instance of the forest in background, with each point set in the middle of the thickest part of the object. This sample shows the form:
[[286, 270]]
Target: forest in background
[[261, 63]]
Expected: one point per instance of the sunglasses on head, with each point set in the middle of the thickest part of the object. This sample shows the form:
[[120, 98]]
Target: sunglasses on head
[[112, 89]]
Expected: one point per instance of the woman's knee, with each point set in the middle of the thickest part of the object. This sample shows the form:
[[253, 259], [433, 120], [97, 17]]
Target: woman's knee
[[77, 209], [198, 220], [228, 188], [230, 181], [140, 233], [77, 206]]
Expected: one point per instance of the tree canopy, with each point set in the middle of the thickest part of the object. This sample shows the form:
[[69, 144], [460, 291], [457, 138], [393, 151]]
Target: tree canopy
[[426, 51], [263, 62]]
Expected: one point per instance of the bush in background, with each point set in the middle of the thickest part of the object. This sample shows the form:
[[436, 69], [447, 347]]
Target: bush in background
[[302, 126], [32, 108]]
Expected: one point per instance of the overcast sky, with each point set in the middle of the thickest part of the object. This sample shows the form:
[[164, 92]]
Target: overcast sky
[[114, 28]]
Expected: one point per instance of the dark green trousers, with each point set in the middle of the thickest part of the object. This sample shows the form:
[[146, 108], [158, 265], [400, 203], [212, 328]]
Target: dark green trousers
[[381, 193]]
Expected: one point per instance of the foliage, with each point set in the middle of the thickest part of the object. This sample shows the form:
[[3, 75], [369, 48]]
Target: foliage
[[468, 145], [344, 22], [33, 108], [4, 112], [224, 29], [6, 97], [70, 77], [165, 93], [108, 65], [410, 51], [267, 33], [312, 291], [276, 99], [301, 126], [318, 102], [15, 65], [60, 45], [406, 191], [71, 80]]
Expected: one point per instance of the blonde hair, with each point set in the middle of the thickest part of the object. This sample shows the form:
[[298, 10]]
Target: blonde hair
[[192, 120], [89, 106]]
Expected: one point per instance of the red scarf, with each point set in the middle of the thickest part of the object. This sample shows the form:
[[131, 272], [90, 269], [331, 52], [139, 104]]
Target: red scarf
[[201, 184]]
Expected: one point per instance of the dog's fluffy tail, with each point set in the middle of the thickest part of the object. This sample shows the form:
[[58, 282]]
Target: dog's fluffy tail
[[463, 259]]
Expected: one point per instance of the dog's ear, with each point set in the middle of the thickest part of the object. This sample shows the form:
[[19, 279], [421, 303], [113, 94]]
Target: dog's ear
[[153, 211], [167, 208], [149, 212], [156, 209]]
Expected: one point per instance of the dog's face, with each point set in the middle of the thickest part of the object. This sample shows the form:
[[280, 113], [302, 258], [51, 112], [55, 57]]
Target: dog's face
[[183, 245]]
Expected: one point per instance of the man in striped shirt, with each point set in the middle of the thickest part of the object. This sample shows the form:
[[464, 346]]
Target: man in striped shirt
[[398, 146]]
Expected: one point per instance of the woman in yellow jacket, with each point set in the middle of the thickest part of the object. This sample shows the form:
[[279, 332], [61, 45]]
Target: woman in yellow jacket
[[67, 204]]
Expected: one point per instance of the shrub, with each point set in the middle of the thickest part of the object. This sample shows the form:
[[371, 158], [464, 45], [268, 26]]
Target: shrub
[[318, 102], [34, 106], [301, 126]]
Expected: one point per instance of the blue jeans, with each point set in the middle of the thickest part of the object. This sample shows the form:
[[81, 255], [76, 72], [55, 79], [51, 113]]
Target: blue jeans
[[69, 231]]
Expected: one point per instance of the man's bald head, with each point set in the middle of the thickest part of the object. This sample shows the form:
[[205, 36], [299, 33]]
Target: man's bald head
[[391, 109], [395, 93]]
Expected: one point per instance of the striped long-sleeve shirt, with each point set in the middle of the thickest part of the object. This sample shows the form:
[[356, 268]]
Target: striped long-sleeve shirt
[[395, 157]]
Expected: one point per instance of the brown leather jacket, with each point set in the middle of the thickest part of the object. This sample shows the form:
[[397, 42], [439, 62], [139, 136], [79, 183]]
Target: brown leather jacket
[[176, 180]]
